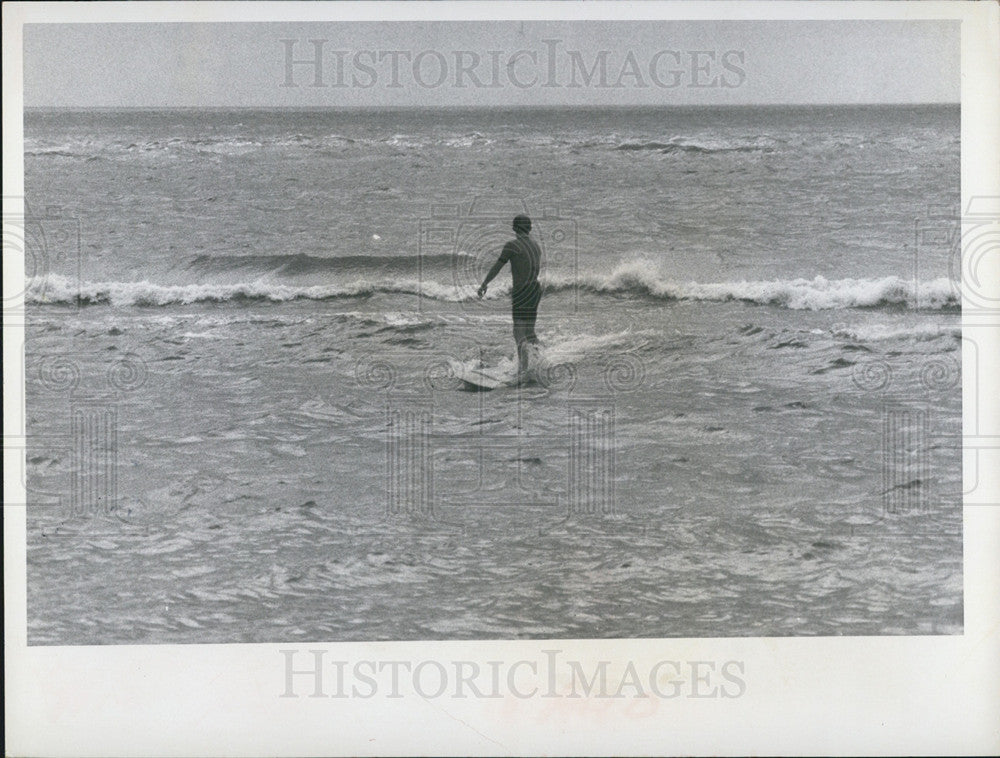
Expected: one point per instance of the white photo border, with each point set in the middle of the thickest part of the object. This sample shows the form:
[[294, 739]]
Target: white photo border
[[805, 696]]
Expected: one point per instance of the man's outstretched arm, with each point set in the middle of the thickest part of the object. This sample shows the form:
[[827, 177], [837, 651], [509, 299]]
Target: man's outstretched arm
[[491, 274]]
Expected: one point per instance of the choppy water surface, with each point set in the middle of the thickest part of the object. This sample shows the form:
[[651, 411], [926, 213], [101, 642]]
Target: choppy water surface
[[749, 423]]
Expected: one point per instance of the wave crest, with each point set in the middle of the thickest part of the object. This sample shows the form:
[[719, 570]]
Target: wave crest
[[688, 145], [635, 279], [61, 289], [819, 293]]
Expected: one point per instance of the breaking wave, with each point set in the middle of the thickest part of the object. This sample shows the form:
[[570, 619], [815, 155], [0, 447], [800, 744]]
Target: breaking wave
[[634, 279], [61, 289], [819, 293]]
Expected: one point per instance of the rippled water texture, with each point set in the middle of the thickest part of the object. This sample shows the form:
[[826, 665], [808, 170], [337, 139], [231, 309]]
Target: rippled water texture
[[244, 423]]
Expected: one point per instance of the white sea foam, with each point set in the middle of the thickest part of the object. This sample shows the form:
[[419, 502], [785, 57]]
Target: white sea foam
[[576, 347], [635, 278], [877, 332], [61, 289], [643, 278]]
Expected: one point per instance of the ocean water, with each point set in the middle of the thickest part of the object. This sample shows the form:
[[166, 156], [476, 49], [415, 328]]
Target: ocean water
[[244, 422]]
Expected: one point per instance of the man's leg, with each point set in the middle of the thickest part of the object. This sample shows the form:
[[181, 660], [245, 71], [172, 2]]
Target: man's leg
[[525, 311], [529, 323], [521, 340]]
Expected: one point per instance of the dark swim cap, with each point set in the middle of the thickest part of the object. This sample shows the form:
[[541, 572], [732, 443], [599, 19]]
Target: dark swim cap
[[522, 223]]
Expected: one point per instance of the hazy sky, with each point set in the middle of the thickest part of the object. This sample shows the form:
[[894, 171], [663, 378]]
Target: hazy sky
[[491, 63]]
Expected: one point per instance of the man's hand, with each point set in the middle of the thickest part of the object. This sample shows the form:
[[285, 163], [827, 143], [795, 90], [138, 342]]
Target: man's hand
[[482, 291]]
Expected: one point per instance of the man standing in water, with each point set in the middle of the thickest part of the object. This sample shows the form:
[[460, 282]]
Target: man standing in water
[[525, 262]]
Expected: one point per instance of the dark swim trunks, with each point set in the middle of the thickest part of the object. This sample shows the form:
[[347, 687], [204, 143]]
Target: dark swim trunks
[[524, 308]]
